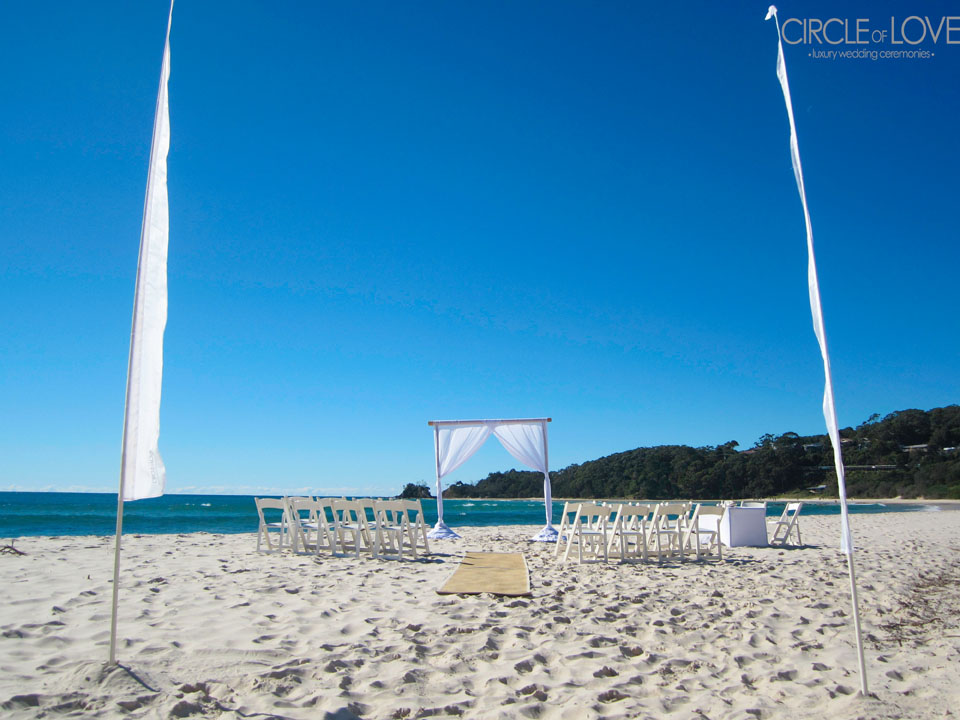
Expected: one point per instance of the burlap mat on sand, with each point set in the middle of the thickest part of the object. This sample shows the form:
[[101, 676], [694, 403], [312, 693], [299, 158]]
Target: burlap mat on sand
[[496, 573]]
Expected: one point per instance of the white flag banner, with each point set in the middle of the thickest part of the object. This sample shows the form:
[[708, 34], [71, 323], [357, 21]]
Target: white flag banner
[[829, 408], [143, 472]]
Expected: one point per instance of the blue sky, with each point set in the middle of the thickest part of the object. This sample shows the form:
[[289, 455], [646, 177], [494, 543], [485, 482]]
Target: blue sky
[[384, 213]]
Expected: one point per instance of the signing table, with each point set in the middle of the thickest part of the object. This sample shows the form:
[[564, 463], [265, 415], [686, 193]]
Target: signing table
[[742, 526]]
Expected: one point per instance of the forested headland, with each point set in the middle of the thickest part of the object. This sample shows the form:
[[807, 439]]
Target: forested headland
[[908, 453]]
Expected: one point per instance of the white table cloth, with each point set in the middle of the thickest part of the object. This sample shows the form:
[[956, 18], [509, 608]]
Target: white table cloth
[[741, 526]]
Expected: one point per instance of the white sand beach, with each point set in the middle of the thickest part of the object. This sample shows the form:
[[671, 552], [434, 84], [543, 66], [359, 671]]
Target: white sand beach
[[211, 628]]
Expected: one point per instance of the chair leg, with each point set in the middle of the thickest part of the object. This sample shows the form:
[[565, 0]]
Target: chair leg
[[413, 542], [570, 536], [563, 527]]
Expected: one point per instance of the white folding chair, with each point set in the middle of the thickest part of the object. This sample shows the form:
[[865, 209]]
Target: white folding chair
[[703, 531], [391, 530], [567, 517], [368, 506], [417, 525], [309, 527], [787, 524], [277, 527], [666, 529], [350, 527], [326, 537], [628, 539], [301, 522], [589, 532]]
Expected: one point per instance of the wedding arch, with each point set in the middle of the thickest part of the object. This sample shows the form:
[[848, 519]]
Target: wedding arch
[[455, 441]]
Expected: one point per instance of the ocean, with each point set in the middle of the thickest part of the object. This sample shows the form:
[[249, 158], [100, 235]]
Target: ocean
[[45, 513]]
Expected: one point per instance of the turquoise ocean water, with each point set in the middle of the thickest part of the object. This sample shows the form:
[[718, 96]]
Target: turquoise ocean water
[[24, 514]]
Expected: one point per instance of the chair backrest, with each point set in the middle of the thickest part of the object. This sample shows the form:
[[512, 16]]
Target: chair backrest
[[414, 510], [592, 516], [346, 512], [368, 507], [668, 514], [710, 513], [325, 511], [631, 518], [415, 507], [745, 503], [647, 508], [391, 513], [569, 514], [790, 512], [302, 509], [270, 504]]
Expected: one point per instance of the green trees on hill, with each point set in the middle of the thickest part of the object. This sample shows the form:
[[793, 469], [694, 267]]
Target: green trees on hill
[[415, 491], [908, 453]]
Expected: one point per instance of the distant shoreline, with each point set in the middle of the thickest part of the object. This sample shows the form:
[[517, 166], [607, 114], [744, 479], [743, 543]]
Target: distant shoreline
[[798, 498]]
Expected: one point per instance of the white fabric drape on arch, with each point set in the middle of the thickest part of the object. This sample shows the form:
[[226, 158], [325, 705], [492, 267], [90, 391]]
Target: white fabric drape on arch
[[528, 444], [453, 447], [526, 440]]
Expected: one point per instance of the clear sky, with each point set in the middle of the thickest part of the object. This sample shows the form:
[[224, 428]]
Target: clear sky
[[384, 213]]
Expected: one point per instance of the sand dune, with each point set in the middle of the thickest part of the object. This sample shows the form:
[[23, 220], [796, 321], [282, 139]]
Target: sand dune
[[211, 628]]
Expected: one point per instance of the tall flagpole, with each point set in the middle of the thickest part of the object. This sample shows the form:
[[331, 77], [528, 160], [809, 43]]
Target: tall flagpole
[[142, 473], [816, 310]]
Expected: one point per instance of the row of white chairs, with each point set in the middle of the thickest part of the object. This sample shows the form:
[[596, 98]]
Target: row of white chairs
[[638, 531], [379, 528], [630, 531]]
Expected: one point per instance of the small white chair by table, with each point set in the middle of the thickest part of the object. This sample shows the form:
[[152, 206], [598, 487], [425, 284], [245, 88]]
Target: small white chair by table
[[787, 524]]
